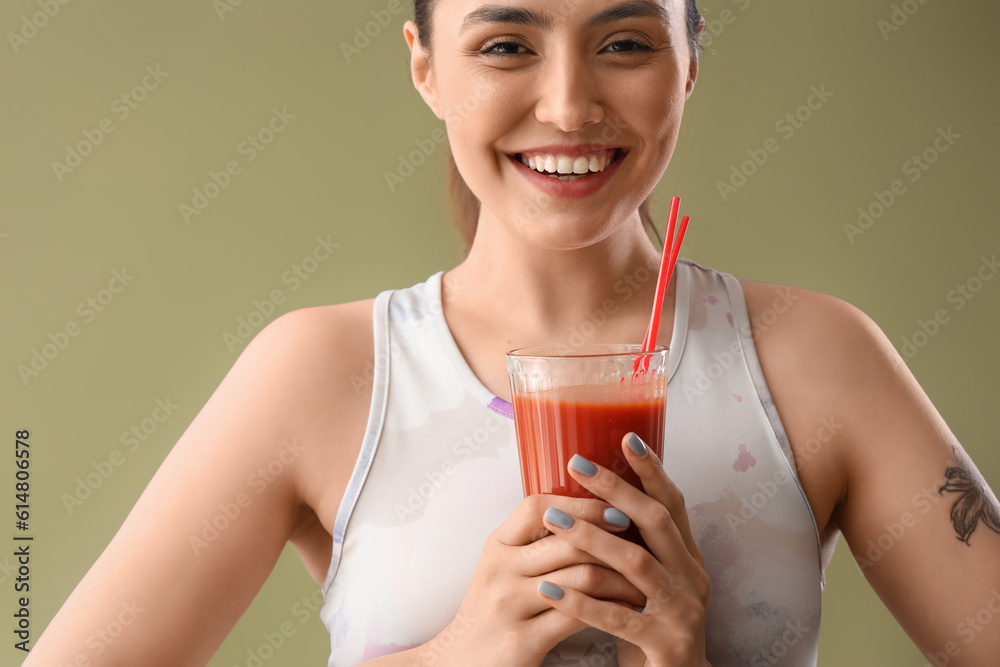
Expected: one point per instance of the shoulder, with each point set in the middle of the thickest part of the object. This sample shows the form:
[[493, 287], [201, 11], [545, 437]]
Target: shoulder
[[306, 352], [308, 375], [822, 340], [836, 381], [302, 367], [311, 342], [316, 322], [833, 356], [312, 368], [881, 472]]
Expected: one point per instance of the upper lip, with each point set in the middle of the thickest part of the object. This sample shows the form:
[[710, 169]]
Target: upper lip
[[568, 149]]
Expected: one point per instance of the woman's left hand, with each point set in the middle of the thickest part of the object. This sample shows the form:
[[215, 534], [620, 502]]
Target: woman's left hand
[[670, 630]]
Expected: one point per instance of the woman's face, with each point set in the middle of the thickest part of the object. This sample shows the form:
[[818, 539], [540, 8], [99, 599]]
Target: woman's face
[[577, 86]]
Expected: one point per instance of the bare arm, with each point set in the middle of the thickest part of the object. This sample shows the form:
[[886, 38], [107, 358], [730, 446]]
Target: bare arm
[[920, 520], [913, 496], [209, 527]]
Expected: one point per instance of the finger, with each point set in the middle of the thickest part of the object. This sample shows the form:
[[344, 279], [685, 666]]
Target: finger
[[614, 619], [594, 581], [524, 525], [659, 486], [597, 582], [654, 579], [547, 555], [654, 520], [553, 623]]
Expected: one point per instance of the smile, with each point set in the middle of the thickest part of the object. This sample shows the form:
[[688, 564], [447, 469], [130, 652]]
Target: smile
[[569, 176], [565, 165]]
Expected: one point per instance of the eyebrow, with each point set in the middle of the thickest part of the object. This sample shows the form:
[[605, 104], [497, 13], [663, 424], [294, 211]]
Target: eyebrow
[[520, 16], [504, 14], [628, 10]]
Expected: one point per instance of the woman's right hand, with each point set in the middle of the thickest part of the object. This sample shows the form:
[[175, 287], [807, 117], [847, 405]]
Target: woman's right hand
[[502, 620]]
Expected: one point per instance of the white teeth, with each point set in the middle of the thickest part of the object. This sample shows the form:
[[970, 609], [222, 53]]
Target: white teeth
[[564, 164]]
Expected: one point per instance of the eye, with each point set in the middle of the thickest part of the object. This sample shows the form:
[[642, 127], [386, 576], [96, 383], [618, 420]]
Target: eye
[[627, 46], [503, 48]]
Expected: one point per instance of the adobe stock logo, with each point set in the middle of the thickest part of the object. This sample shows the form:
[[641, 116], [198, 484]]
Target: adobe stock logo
[[103, 469], [899, 17], [59, 340], [223, 7], [787, 125], [714, 27], [363, 35], [959, 297], [915, 167], [38, 20], [249, 148], [122, 106], [296, 275]]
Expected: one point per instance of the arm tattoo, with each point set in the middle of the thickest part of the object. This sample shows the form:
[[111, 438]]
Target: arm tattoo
[[975, 502]]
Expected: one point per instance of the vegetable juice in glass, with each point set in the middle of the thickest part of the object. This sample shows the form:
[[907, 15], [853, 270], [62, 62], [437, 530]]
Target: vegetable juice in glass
[[583, 401]]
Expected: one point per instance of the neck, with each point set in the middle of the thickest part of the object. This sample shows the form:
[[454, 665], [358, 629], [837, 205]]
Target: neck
[[539, 296]]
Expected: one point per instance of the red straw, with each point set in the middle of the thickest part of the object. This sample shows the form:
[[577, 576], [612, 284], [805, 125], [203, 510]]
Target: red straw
[[675, 251], [671, 251]]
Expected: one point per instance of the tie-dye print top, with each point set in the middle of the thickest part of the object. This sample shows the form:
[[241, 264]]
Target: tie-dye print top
[[438, 472]]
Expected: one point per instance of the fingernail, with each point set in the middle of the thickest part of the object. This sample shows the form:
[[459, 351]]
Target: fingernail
[[636, 444], [616, 517], [559, 518], [582, 466], [550, 590]]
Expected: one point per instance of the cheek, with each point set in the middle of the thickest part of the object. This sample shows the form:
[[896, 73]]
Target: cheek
[[474, 118], [657, 114], [478, 115], [468, 97], [473, 144], [661, 98]]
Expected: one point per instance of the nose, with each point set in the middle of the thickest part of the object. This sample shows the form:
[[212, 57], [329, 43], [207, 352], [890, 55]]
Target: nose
[[569, 94]]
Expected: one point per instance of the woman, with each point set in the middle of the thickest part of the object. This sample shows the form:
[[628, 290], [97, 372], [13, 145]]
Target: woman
[[376, 435]]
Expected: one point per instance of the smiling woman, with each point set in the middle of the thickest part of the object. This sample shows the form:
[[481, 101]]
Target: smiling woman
[[464, 204], [377, 436]]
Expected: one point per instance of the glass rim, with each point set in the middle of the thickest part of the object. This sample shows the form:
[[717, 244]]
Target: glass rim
[[588, 350]]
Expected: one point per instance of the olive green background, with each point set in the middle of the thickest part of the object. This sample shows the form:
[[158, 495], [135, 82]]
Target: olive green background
[[324, 175]]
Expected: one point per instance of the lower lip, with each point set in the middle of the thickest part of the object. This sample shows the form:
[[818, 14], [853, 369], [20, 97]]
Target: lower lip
[[581, 187]]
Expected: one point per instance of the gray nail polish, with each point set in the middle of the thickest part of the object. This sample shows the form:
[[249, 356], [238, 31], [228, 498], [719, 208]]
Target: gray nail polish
[[616, 517], [636, 444], [559, 518], [550, 590], [582, 466]]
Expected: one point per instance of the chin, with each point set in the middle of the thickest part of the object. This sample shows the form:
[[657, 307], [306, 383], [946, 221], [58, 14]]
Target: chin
[[568, 233]]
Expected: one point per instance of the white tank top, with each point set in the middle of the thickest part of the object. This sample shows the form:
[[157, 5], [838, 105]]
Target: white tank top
[[438, 472]]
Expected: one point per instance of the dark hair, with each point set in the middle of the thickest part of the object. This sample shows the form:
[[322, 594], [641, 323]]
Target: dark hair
[[462, 203]]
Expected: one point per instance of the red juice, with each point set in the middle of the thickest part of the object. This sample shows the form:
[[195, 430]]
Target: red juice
[[590, 421]]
